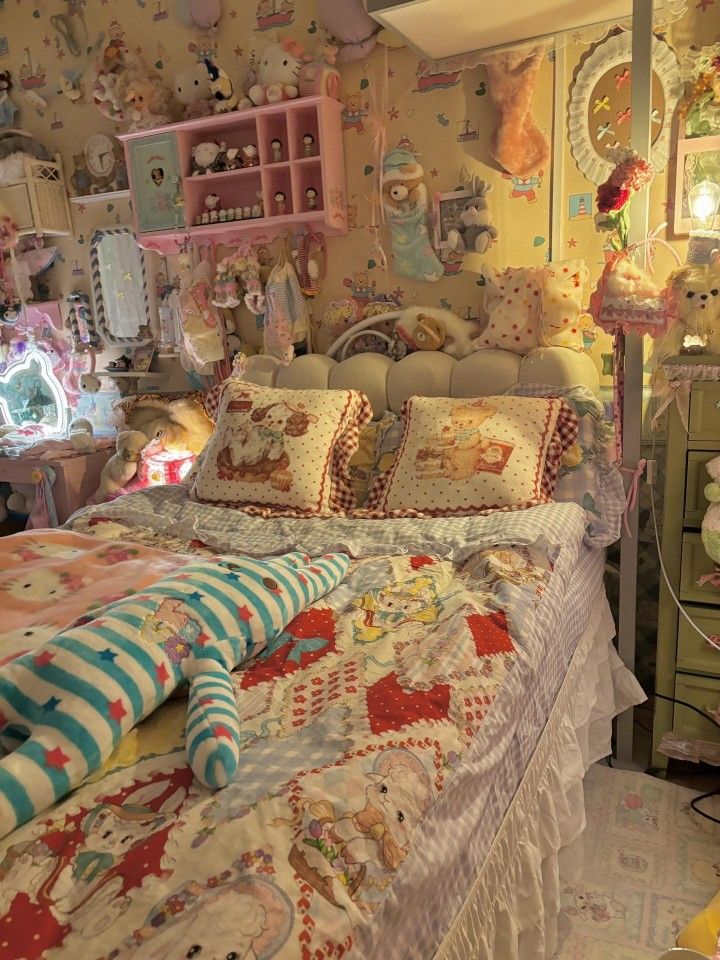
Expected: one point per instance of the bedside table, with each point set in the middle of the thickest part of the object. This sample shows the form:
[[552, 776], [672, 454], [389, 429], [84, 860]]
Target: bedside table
[[76, 477], [687, 667]]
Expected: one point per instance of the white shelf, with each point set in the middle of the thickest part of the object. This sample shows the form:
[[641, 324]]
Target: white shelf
[[130, 374], [102, 197]]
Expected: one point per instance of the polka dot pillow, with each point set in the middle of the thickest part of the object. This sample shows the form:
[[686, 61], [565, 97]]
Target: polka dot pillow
[[281, 452], [531, 307], [465, 456]]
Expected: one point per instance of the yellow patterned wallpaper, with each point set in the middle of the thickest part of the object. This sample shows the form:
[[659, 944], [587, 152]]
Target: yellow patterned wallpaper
[[447, 120]]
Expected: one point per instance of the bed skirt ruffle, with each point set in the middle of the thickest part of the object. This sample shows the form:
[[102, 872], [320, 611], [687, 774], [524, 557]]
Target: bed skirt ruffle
[[511, 911]]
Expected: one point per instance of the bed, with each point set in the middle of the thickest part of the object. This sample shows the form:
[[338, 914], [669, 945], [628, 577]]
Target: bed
[[414, 744]]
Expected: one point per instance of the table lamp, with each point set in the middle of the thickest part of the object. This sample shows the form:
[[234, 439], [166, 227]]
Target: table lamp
[[703, 201]]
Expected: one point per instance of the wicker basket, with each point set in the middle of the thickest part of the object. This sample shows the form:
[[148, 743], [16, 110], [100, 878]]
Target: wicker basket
[[39, 202]]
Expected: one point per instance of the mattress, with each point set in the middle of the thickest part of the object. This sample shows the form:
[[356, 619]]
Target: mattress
[[525, 586]]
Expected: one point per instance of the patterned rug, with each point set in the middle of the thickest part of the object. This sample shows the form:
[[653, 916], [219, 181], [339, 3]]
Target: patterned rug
[[651, 863]]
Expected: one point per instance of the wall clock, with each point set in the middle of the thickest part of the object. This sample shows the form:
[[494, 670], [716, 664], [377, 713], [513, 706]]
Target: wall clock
[[599, 114], [100, 155]]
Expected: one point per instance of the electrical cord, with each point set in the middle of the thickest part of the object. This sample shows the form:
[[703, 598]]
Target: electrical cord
[[704, 796], [690, 706]]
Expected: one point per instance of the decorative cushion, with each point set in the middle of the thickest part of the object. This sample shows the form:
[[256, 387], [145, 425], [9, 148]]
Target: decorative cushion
[[531, 307], [281, 452], [585, 474], [469, 456], [375, 453]]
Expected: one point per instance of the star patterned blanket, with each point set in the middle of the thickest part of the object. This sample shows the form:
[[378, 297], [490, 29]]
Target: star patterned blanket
[[356, 721]]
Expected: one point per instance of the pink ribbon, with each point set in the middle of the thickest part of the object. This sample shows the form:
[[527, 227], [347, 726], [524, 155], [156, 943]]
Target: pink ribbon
[[632, 494], [678, 390]]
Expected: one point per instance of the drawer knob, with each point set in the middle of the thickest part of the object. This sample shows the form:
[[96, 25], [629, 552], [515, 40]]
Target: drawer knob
[[713, 641]]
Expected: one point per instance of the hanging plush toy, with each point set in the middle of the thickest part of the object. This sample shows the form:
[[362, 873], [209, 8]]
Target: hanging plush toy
[[475, 231], [710, 531], [192, 627], [201, 326], [404, 198]]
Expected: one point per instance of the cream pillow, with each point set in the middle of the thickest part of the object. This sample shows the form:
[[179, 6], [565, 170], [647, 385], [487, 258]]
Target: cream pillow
[[282, 452], [531, 307], [467, 456]]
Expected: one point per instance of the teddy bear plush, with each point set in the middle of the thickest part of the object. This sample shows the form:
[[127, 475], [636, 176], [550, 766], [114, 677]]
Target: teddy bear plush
[[122, 465], [179, 423], [276, 75], [710, 529], [475, 231], [428, 328], [107, 675]]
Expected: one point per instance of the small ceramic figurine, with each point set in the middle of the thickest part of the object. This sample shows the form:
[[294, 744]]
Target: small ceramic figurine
[[232, 158], [250, 155], [212, 202], [222, 216], [311, 195], [238, 213], [205, 218], [280, 205], [276, 147], [198, 220], [231, 213], [308, 145], [257, 211], [247, 213]]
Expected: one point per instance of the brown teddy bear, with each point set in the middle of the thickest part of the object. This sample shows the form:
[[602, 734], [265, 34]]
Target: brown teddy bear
[[460, 450]]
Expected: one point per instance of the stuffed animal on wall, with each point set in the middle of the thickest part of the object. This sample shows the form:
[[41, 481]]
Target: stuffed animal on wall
[[404, 199], [225, 96], [276, 75], [428, 328], [694, 293], [179, 423], [194, 626], [122, 465], [193, 91], [710, 530], [475, 231]]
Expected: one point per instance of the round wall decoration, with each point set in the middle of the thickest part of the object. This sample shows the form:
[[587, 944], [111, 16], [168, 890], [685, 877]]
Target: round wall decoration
[[599, 114]]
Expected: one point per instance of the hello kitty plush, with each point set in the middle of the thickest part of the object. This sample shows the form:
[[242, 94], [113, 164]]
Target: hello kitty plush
[[276, 75]]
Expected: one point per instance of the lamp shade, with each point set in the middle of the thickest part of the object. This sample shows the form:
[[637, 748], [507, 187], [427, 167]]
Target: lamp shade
[[703, 200]]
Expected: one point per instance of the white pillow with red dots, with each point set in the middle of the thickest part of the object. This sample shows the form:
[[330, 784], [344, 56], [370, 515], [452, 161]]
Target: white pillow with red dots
[[531, 307]]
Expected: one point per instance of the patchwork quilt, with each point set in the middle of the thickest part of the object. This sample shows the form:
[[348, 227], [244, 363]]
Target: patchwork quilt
[[355, 722]]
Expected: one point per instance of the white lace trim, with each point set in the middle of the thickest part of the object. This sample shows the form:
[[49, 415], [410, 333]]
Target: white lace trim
[[512, 909]]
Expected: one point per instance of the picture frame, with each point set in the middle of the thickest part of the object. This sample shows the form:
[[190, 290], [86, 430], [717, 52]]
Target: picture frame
[[142, 357], [446, 214], [698, 158]]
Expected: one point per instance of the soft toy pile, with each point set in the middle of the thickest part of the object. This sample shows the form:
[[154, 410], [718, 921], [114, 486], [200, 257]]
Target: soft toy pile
[[102, 677]]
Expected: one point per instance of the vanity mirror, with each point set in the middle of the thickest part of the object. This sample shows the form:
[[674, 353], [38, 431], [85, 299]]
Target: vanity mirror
[[31, 395], [120, 290]]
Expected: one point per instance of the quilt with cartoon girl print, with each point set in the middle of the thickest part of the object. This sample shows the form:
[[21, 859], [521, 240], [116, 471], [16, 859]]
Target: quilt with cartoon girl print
[[355, 722]]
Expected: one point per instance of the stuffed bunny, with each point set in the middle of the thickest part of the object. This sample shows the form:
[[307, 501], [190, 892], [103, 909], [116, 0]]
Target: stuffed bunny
[[475, 232], [122, 466]]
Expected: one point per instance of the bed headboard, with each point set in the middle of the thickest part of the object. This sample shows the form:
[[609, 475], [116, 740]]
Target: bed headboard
[[388, 383]]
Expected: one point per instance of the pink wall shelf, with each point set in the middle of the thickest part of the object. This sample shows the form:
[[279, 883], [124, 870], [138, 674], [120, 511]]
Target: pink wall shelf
[[306, 164]]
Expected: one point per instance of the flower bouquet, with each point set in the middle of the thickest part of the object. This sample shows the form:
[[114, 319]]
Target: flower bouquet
[[631, 174]]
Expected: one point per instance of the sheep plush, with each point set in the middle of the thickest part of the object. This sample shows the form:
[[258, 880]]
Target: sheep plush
[[475, 231], [423, 327], [710, 530], [80, 435], [122, 465]]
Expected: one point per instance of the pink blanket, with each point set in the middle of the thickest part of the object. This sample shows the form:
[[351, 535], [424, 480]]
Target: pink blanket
[[49, 578]]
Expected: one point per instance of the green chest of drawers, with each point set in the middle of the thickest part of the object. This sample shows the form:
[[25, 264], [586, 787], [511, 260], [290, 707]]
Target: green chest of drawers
[[688, 668]]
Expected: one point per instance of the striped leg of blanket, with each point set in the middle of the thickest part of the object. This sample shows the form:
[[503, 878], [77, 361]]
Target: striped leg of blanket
[[212, 739]]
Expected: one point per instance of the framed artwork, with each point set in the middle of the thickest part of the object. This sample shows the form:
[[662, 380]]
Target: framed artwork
[[142, 357], [155, 172], [447, 208], [599, 113], [698, 158]]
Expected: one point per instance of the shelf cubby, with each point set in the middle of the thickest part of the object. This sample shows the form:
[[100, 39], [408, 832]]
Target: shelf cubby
[[272, 126], [305, 175], [276, 178], [302, 120], [234, 191]]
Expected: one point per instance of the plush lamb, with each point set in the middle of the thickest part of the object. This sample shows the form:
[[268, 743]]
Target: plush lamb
[[475, 231], [710, 531], [122, 466]]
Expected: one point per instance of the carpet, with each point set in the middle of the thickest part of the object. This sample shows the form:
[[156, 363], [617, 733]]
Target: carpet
[[650, 864]]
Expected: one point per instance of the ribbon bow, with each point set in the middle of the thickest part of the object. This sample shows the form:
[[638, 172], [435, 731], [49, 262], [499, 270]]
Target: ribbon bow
[[678, 390], [632, 494]]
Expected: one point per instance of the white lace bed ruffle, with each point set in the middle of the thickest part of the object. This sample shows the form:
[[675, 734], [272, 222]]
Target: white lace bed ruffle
[[512, 909]]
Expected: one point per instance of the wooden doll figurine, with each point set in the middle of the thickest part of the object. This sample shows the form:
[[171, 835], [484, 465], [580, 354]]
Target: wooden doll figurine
[[280, 204], [311, 195], [308, 145], [276, 147]]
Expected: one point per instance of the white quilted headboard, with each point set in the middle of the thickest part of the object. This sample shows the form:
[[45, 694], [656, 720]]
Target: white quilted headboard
[[388, 383]]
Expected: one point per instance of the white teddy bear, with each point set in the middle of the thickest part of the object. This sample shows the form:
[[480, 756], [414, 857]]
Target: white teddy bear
[[122, 466]]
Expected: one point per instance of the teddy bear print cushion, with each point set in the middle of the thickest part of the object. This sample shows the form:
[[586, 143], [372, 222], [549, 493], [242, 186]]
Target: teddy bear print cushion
[[464, 456], [531, 307], [282, 452]]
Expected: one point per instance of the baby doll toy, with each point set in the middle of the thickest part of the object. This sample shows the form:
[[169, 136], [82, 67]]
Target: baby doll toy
[[311, 195], [280, 204], [276, 147], [308, 142]]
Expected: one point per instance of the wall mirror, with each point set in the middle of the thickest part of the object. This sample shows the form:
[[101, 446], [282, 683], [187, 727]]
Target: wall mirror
[[31, 395], [120, 291], [599, 114]]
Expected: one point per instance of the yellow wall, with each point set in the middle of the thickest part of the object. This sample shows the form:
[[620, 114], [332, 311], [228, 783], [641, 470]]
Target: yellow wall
[[430, 120]]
